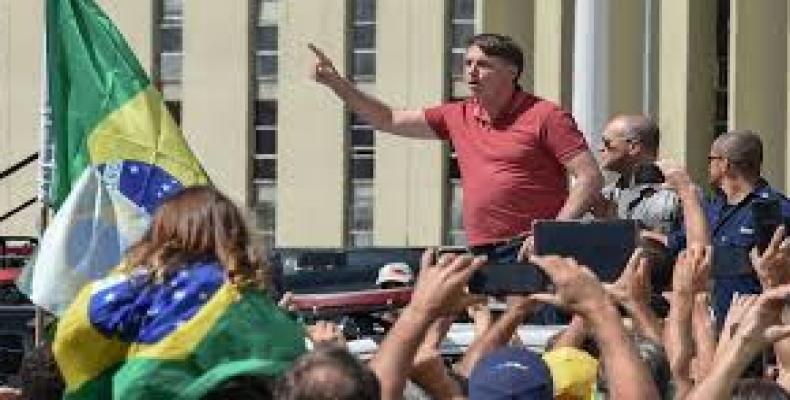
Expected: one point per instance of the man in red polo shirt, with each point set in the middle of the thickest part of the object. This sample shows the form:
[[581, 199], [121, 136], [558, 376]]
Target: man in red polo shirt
[[514, 149]]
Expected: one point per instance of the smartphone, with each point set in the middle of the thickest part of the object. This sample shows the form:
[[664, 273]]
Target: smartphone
[[503, 279], [648, 174], [603, 246], [450, 250], [767, 214]]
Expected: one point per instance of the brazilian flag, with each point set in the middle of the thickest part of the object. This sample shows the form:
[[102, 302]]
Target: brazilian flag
[[117, 153], [125, 337]]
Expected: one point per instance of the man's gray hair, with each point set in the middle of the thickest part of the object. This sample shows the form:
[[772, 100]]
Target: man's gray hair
[[743, 149]]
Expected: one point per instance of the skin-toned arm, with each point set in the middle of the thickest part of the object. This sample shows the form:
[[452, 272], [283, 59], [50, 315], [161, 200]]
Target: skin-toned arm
[[438, 292], [498, 336], [587, 186], [695, 222], [579, 291], [704, 334], [773, 269], [632, 291], [689, 276], [409, 123], [758, 327], [428, 369], [573, 335]]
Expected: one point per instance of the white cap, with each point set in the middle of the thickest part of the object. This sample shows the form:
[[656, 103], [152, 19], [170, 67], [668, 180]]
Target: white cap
[[395, 272]]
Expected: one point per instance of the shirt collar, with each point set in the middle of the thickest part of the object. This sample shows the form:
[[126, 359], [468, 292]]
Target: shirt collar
[[480, 114]]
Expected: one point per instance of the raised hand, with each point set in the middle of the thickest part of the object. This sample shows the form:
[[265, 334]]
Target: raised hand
[[440, 287], [675, 176], [324, 71], [633, 285], [325, 332], [773, 266], [577, 288]]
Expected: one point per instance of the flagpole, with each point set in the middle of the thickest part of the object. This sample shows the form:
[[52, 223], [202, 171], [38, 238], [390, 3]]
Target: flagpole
[[45, 169]]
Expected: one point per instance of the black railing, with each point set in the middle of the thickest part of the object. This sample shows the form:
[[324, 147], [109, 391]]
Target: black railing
[[10, 170]]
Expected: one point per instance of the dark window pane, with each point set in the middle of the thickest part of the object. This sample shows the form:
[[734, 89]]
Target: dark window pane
[[266, 66], [174, 107], [265, 113], [362, 137], [365, 10], [265, 141], [265, 169], [362, 168], [463, 9], [454, 172], [457, 64], [365, 37], [172, 8], [462, 33], [364, 65], [266, 38], [357, 119], [171, 39]]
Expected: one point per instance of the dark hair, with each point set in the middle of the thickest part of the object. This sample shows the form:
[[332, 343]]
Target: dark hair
[[329, 372], [655, 358], [743, 149], [496, 45], [243, 387], [758, 389], [39, 376], [195, 224]]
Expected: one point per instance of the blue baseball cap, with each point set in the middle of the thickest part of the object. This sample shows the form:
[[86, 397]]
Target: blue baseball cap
[[511, 373]]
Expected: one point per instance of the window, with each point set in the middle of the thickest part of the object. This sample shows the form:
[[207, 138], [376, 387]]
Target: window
[[722, 63], [363, 43], [264, 169], [462, 27], [361, 172], [266, 36], [171, 50]]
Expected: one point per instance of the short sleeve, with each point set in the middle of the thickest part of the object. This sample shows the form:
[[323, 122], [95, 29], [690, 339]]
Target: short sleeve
[[562, 137], [437, 120]]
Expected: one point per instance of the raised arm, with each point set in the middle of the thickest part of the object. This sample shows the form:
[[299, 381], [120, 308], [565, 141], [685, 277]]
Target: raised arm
[[409, 123]]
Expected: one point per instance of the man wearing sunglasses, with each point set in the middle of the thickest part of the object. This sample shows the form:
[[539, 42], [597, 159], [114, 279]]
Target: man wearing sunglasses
[[630, 149]]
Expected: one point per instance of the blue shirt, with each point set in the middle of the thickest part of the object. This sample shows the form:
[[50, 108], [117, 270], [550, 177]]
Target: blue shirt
[[732, 228]]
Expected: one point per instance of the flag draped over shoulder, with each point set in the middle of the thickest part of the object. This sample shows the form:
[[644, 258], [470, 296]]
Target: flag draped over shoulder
[[118, 153], [125, 337]]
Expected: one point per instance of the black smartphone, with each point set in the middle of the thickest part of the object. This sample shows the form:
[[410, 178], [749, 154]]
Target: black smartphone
[[647, 174], [503, 279], [450, 250], [602, 246], [767, 214]]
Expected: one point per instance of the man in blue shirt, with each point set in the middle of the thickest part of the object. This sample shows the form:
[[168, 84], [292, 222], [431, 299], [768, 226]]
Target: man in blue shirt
[[734, 167]]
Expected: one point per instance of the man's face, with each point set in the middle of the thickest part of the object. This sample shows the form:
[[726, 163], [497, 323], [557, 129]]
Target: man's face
[[716, 164], [487, 76], [616, 148]]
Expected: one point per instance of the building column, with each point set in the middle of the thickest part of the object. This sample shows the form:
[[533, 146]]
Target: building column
[[514, 18], [411, 73], [758, 66], [687, 55], [21, 52], [311, 131], [135, 20], [216, 91], [553, 50]]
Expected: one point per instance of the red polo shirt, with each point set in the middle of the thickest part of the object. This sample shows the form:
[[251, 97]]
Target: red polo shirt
[[512, 167]]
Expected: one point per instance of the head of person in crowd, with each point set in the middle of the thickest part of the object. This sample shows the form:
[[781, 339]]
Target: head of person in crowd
[[511, 373], [758, 389], [394, 275], [574, 373], [654, 356], [329, 373], [39, 376], [492, 65], [735, 156], [199, 224], [628, 141]]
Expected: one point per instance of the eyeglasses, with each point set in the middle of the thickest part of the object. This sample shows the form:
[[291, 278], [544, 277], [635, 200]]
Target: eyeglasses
[[607, 143]]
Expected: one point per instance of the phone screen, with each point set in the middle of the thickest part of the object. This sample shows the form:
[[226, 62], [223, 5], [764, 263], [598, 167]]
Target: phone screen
[[767, 215]]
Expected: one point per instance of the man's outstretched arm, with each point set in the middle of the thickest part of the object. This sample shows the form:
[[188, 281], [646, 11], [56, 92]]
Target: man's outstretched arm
[[409, 123]]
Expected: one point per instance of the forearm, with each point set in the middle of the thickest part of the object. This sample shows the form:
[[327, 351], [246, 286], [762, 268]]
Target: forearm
[[498, 336], [581, 196], [696, 223], [725, 373], [573, 335], [627, 375], [704, 338], [646, 321], [392, 363], [782, 351], [431, 375], [678, 340], [376, 112]]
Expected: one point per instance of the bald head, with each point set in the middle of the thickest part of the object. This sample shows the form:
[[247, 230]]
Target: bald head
[[641, 129]]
